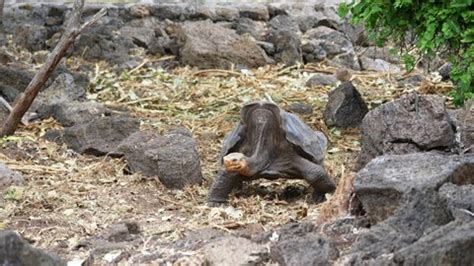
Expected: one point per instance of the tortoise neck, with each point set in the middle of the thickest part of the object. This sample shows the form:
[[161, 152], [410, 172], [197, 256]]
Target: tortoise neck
[[264, 145]]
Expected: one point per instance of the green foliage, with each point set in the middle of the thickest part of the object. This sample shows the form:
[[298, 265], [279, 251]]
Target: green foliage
[[431, 26]]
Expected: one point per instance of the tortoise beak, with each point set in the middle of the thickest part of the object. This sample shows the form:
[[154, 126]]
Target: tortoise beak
[[234, 162]]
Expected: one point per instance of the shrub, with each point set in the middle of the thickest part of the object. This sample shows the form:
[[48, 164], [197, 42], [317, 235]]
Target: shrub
[[425, 28]]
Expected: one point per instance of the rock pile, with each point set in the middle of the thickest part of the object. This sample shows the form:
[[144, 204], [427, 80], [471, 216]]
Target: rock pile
[[222, 35]]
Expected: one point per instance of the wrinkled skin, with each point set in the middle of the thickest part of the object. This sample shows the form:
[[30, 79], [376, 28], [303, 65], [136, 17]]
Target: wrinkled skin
[[259, 148]]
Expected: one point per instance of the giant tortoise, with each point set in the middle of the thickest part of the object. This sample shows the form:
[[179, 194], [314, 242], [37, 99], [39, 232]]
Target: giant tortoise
[[271, 143]]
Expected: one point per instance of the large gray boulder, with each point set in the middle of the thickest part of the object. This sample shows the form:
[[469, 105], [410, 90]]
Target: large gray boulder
[[204, 44], [413, 123], [101, 135], [420, 213], [14, 251], [382, 185], [449, 245], [63, 90], [287, 47], [172, 157], [326, 43], [284, 35], [345, 107]]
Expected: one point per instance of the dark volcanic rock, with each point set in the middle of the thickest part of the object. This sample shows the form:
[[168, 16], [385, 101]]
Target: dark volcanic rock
[[310, 249], [325, 43], [207, 45], [287, 47], [420, 213], [345, 107], [31, 36], [140, 36], [410, 124], [327, 16], [445, 71], [13, 82], [74, 113], [9, 177], [171, 11], [102, 42], [256, 29], [121, 232], [62, 91], [343, 232], [276, 9], [356, 33], [306, 21], [459, 199], [451, 244], [384, 182], [284, 22], [233, 250], [298, 245], [101, 135], [16, 252], [254, 11], [321, 79], [173, 157], [226, 13]]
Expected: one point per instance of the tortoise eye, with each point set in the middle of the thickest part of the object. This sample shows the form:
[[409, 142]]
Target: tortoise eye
[[234, 160]]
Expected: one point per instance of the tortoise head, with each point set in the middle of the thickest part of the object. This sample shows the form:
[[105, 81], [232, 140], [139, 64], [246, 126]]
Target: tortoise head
[[258, 110], [237, 162]]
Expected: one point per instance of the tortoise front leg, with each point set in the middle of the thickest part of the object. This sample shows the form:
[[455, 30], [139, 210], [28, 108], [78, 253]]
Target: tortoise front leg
[[317, 177], [222, 186]]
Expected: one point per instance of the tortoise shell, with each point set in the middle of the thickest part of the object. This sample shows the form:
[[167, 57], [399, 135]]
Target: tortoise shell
[[309, 144]]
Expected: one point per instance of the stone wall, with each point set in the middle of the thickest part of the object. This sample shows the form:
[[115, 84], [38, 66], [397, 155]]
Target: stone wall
[[215, 36]]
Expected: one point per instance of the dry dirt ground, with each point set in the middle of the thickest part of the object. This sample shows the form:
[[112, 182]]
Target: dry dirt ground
[[70, 197]]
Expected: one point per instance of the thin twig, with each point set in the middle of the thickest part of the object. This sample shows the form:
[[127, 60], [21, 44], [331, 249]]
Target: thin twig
[[219, 71]]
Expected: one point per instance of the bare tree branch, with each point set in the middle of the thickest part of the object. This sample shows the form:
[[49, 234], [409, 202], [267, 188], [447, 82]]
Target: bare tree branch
[[73, 29]]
